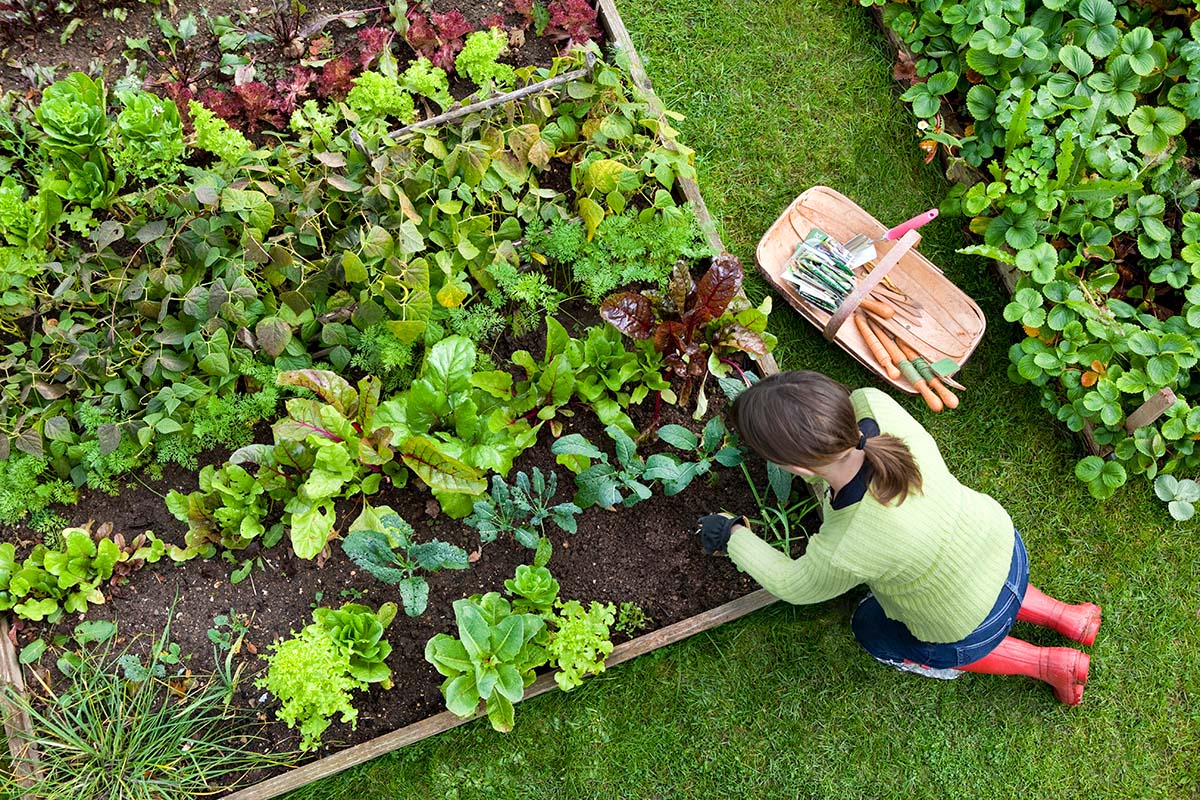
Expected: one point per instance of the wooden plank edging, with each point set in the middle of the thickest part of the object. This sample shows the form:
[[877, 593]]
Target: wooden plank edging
[[18, 730], [444, 721]]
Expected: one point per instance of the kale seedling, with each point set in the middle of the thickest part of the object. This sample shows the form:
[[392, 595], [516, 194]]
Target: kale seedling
[[381, 543], [522, 510]]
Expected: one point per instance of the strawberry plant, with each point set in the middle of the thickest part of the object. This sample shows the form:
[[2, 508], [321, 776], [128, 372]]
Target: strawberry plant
[[1078, 116]]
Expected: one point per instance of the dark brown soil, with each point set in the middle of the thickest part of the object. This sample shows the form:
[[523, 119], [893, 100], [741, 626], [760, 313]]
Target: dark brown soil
[[101, 40], [647, 555]]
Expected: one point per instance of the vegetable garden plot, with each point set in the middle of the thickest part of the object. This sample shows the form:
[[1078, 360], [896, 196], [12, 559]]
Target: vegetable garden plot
[[202, 320]]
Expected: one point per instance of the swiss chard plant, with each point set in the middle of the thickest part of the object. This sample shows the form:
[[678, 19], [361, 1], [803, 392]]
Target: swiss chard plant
[[453, 425], [382, 543], [324, 449], [693, 321]]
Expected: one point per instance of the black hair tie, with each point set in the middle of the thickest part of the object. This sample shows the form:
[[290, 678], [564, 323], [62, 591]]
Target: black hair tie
[[862, 442]]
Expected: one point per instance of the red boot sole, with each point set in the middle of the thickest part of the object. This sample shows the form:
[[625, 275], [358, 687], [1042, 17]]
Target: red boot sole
[[1088, 635]]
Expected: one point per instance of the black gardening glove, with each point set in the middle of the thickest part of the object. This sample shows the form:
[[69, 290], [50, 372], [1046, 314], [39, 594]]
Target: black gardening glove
[[714, 531]]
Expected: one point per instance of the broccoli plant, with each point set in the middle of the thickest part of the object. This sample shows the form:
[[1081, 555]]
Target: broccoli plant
[[604, 484], [381, 543], [522, 510]]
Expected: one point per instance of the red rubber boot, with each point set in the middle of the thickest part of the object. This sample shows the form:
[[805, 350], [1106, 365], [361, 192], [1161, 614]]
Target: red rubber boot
[[1066, 670], [1079, 622]]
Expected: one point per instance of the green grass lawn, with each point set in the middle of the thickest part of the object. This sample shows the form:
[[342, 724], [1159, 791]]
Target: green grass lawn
[[781, 95]]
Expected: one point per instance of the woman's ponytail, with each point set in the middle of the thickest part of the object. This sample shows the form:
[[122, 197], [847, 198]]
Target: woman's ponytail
[[896, 471]]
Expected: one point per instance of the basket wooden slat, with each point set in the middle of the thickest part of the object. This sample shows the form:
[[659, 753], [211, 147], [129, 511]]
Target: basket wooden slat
[[950, 324]]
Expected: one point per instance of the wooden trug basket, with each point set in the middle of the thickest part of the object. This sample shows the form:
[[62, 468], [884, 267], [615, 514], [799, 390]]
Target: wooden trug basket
[[950, 324]]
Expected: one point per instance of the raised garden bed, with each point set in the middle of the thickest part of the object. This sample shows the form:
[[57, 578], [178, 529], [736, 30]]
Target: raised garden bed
[[645, 556]]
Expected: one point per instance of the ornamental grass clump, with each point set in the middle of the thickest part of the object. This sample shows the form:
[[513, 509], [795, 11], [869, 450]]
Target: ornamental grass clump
[[159, 737]]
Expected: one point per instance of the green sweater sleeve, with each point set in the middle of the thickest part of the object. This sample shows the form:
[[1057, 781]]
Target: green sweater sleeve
[[809, 579]]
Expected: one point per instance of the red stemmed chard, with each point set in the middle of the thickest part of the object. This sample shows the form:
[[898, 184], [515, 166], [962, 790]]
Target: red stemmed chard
[[690, 320]]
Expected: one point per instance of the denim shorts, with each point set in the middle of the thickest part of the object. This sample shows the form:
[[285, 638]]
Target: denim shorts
[[891, 642]]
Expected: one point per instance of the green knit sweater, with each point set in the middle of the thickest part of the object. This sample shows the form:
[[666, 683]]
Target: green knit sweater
[[936, 562]]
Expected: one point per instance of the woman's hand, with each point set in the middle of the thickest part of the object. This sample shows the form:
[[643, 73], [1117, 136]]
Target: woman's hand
[[714, 530]]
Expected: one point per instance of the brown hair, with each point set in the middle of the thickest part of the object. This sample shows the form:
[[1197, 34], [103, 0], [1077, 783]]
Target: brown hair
[[804, 419]]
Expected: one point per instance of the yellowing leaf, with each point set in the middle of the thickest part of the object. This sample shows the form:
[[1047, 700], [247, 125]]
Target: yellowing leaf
[[592, 213]]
